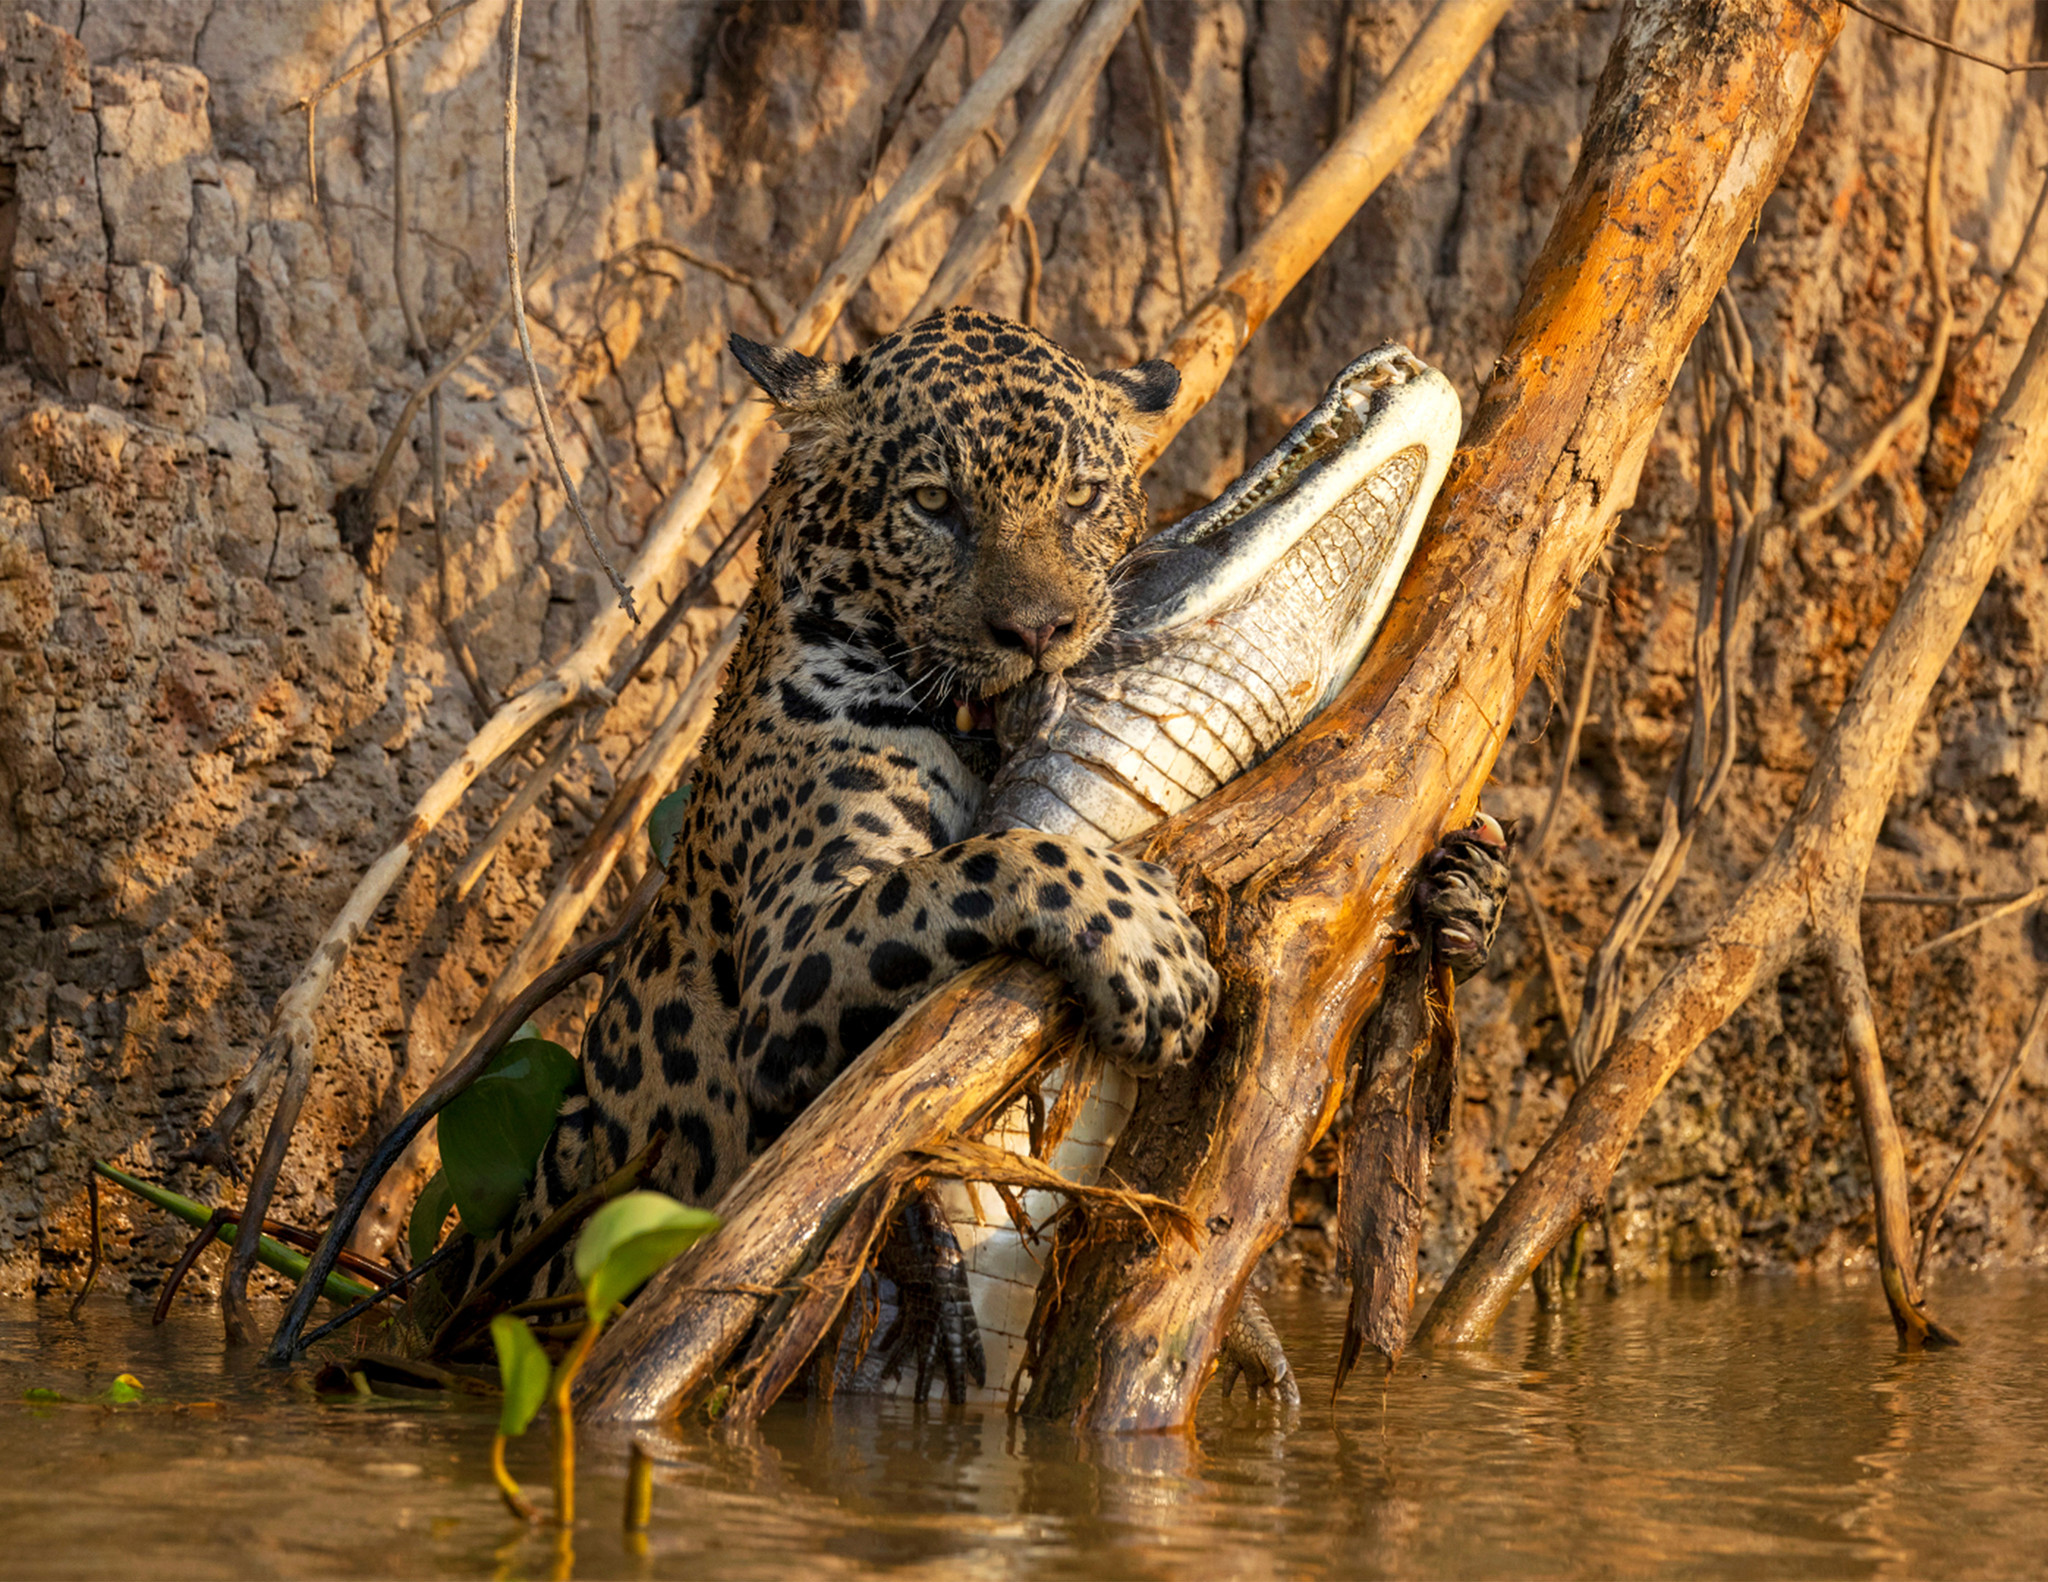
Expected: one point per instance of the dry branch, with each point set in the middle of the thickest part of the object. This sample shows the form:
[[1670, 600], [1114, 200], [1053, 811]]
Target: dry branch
[[1804, 897], [1946, 45], [2018, 903], [2030, 1040], [1303, 859]]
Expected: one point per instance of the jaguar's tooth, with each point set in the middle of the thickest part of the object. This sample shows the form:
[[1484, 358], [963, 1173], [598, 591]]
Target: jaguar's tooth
[[963, 717]]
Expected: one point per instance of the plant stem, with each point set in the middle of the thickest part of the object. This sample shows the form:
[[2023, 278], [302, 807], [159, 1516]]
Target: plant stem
[[515, 1497], [639, 1490], [565, 1424]]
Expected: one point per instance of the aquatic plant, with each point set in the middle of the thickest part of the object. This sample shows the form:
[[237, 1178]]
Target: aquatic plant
[[625, 1244]]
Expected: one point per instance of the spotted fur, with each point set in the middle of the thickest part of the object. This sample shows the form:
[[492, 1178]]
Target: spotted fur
[[942, 526]]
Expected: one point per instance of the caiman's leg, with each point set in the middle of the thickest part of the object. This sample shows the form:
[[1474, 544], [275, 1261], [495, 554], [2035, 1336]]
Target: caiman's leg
[[1252, 1351], [934, 1325]]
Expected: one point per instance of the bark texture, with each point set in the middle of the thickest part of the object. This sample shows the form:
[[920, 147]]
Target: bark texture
[[216, 706]]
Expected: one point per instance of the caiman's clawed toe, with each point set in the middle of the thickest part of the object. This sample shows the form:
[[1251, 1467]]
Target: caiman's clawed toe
[[1461, 890], [934, 1325]]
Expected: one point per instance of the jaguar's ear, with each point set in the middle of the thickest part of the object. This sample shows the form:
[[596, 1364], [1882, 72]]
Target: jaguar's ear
[[1147, 389], [794, 381]]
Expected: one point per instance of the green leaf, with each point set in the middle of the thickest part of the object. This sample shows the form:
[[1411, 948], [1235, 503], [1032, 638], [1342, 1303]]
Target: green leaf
[[429, 1214], [40, 1395], [665, 823], [523, 1371], [629, 1240], [493, 1131], [271, 1254]]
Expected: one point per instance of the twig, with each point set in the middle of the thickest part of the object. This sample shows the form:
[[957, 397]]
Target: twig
[[458, 645], [1009, 186], [1924, 898], [695, 592], [1347, 69], [416, 342], [390, 46], [2018, 903], [533, 380], [385, 1291], [522, 802], [1702, 766], [2037, 1026], [1034, 269], [202, 1238], [1842, 481], [1169, 160], [290, 1235], [1553, 964], [765, 296], [944, 20], [1947, 48], [97, 1254], [1581, 702]]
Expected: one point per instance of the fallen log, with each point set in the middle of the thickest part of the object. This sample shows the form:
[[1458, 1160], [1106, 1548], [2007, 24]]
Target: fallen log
[[1297, 866]]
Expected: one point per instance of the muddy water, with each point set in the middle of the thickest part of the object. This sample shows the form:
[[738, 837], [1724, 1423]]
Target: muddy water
[[1754, 1429]]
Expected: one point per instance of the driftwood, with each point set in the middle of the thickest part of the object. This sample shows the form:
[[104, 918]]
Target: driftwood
[[1297, 866], [1803, 901]]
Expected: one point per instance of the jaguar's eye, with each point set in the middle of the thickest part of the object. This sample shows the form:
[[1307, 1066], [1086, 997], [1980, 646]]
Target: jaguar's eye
[[1083, 495], [932, 499]]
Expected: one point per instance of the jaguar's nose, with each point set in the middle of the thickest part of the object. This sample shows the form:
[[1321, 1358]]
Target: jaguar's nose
[[1033, 640]]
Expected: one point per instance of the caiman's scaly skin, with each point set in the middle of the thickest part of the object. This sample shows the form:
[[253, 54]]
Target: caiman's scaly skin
[[1239, 622]]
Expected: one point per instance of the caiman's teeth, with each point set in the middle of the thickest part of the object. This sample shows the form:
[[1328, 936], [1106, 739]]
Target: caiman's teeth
[[963, 717]]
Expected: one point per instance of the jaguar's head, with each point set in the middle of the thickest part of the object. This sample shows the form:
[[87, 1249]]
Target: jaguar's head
[[964, 486]]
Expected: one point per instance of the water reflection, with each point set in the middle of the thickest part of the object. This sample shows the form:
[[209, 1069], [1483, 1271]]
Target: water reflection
[[1759, 1428]]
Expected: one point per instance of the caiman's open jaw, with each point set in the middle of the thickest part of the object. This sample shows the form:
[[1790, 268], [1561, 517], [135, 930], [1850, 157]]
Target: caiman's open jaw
[[1238, 622]]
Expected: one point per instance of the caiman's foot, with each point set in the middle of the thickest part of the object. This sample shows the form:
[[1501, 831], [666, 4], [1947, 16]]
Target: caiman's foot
[[1251, 1350], [1461, 890], [934, 1323]]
